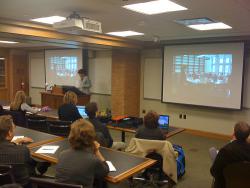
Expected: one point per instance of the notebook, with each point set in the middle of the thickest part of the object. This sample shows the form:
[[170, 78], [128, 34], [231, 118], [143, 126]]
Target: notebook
[[82, 111], [164, 122]]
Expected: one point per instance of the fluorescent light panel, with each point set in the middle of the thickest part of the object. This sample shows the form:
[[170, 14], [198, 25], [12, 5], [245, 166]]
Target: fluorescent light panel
[[49, 20], [2, 58], [210, 26], [194, 21], [125, 33], [8, 42], [155, 7]]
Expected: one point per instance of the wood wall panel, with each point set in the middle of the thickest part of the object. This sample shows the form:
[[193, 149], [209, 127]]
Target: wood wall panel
[[19, 71], [17, 67], [125, 83], [4, 92]]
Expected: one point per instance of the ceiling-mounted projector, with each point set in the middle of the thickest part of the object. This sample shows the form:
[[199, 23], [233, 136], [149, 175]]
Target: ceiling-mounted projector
[[75, 23]]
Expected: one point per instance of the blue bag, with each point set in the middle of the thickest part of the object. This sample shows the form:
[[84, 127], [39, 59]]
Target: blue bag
[[180, 160]]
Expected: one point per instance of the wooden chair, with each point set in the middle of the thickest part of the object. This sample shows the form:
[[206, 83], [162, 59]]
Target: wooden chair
[[50, 183], [237, 175], [6, 175]]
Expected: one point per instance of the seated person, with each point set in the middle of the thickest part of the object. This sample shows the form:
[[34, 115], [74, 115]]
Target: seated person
[[236, 151], [68, 111], [91, 109], [19, 103], [83, 162], [150, 130], [12, 153]]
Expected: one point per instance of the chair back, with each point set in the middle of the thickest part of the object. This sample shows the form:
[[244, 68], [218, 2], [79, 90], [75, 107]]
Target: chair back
[[19, 118], [237, 175], [37, 123], [59, 128], [50, 183], [6, 175]]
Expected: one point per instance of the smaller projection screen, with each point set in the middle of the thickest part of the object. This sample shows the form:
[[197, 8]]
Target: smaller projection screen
[[62, 66], [204, 74]]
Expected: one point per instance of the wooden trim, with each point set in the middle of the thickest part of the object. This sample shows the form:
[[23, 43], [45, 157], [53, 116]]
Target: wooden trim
[[35, 144], [172, 133], [38, 34], [208, 134], [121, 129], [44, 157], [116, 179], [131, 171]]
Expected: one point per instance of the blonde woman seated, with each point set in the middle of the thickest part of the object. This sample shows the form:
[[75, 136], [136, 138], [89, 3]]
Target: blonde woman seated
[[68, 111], [83, 162], [19, 103]]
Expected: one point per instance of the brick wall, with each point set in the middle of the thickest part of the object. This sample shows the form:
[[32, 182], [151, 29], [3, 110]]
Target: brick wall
[[125, 83]]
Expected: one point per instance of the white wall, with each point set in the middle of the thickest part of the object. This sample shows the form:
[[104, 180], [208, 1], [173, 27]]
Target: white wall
[[198, 118], [103, 100], [35, 90]]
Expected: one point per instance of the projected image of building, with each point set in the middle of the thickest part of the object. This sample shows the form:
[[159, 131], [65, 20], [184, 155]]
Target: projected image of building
[[64, 65], [203, 68]]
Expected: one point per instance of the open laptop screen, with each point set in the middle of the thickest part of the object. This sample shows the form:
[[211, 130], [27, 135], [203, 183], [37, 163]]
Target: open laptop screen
[[163, 121], [82, 111]]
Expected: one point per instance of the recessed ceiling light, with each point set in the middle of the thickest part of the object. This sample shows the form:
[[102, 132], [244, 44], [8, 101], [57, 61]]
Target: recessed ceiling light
[[155, 7], [49, 20], [8, 42], [210, 26], [125, 33]]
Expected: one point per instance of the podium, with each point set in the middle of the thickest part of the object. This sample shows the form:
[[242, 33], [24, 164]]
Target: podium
[[54, 99]]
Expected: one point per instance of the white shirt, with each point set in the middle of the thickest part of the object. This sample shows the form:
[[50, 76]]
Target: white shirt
[[27, 108], [84, 85]]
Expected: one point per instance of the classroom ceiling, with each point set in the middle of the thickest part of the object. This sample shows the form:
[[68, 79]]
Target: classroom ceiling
[[113, 17]]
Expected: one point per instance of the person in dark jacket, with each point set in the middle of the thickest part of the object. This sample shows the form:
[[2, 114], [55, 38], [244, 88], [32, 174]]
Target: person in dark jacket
[[13, 153], [101, 129], [150, 130], [236, 151], [83, 162], [68, 111]]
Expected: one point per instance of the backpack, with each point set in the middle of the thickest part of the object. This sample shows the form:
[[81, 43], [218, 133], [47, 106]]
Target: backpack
[[180, 160]]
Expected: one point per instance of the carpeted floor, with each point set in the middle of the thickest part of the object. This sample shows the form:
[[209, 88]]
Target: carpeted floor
[[197, 159]]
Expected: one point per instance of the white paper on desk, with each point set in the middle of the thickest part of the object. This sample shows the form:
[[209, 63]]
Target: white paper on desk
[[6, 107], [16, 137], [47, 149], [111, 166]]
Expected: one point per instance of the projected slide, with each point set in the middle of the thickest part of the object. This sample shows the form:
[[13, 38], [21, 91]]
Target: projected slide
[[62, 66], [65, 66], [209, 69], [206, 75]]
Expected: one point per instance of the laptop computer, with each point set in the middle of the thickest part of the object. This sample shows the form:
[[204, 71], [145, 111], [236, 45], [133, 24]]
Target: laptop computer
[[164, 122], [82, 111]]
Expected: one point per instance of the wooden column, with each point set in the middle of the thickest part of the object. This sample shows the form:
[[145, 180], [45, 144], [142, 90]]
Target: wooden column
[[19, 72], [125, 83]]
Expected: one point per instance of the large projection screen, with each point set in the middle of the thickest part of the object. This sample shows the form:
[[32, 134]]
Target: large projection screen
[[204, 74]]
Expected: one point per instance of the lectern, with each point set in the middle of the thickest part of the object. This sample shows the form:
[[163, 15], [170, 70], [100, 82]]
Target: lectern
[[54, 98]]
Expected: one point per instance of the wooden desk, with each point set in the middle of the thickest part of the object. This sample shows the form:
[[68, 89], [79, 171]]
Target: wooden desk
[[126, 164], [39, 138], [171, 131], [52, 114], [55, 100]]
